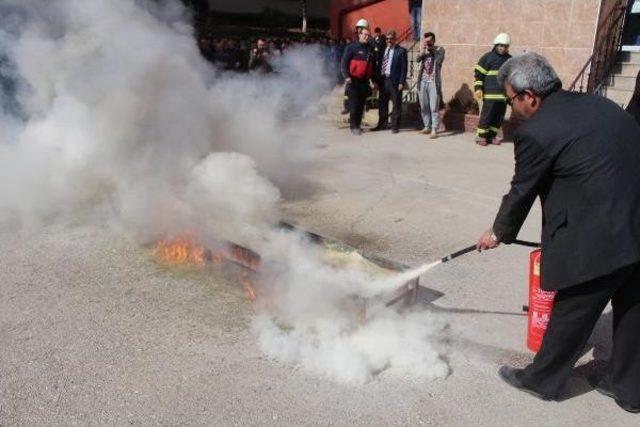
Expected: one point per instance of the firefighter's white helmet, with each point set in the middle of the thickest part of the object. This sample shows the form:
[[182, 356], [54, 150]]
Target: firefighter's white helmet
[[362, 23], [502, 38]]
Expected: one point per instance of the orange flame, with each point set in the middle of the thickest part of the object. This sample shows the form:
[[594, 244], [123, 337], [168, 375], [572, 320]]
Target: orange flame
[[183, 249]]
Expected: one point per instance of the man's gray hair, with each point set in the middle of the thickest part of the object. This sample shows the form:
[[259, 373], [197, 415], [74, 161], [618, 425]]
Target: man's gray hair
[[529, 71]]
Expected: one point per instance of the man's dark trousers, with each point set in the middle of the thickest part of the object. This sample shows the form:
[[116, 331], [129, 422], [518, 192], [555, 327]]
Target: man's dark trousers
[[389, 91], [575, 313], [358, 92]]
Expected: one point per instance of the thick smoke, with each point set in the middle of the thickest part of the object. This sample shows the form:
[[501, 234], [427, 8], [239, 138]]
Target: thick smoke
[[314, 318], [109, 114], [121, 117]]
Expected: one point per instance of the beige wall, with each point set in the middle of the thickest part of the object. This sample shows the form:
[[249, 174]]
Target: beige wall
[[561, 30]]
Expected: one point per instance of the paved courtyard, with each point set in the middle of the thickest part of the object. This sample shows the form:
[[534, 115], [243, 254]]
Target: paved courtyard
[[93, 331]]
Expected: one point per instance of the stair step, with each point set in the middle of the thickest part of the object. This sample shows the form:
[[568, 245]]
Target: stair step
[[617, 81], [629, 57], [626, 70], [621, 97]]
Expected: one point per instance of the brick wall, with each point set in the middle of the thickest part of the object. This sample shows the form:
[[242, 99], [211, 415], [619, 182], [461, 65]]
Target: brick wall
[[561, 30]]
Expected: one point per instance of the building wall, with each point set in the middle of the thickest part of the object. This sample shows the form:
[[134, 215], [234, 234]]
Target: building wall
[[386, 14], [561, 30]]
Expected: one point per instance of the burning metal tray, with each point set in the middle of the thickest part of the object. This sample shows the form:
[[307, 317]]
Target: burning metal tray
[[339, 254]]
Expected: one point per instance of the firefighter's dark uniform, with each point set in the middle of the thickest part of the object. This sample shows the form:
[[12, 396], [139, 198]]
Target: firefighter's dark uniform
[[357, 64], [379, 46], [494, 102]]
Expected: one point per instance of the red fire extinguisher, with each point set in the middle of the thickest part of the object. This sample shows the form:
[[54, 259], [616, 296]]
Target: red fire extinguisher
[[540, 304]]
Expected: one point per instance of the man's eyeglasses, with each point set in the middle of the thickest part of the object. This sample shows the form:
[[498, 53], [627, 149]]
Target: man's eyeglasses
[[510, 99]]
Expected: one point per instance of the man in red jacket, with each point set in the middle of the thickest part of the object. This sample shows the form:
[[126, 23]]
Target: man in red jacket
[[357, 69]]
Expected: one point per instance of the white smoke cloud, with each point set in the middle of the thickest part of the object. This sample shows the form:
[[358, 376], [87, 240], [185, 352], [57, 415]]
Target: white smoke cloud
[[109, 113], [124, 115], [315, 319]]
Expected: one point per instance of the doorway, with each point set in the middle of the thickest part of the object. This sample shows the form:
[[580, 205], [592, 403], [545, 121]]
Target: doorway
[[631, 28]]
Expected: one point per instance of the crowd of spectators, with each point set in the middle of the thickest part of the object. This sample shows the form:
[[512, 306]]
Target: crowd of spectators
[[255, 54]]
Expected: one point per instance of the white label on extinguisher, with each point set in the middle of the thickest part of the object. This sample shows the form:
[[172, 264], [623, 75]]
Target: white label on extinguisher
[[544, 296], [539, 320]]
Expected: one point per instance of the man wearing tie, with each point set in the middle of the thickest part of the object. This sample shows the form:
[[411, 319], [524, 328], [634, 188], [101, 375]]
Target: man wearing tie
[[392, 75]]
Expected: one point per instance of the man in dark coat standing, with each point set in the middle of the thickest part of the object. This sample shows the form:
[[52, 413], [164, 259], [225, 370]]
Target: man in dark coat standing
[[391, 75], [580, 154], [379, 44]]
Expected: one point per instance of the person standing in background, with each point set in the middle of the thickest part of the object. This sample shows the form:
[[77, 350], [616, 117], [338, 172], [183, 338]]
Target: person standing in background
[[379, 46], [430, 83], [357, 68], [259, 59], [379, 42], [392, 76], [487, 90]]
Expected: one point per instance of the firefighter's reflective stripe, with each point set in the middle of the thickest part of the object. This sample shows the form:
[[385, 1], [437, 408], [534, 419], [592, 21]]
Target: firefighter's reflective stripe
[[495, 97], [484, 131], [482, 70], [486, 71]]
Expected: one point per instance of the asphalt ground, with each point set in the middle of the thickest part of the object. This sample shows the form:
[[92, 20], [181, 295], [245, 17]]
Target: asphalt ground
[[93, 331]]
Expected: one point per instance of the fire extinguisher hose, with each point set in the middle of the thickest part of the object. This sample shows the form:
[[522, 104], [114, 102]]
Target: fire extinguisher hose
[[526, 243], [474, 247]]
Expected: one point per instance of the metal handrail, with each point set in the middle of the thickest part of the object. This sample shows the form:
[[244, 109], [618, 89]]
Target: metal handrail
[[601, 62], [404, 36], [411, 71]]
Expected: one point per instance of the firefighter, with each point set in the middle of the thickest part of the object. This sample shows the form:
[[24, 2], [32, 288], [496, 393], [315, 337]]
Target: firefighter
[[379, 45], [357, 68], [487, 90]]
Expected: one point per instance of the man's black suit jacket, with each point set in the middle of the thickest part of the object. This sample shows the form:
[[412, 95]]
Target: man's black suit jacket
[[581, 154], [399, 65]]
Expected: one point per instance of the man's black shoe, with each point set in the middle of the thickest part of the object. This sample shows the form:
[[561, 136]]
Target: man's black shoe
[[510, 376], [602, 386], [634, 409], [395, 131]]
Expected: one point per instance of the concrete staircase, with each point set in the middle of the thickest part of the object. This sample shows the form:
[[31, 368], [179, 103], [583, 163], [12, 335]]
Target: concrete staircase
[[620, 85]]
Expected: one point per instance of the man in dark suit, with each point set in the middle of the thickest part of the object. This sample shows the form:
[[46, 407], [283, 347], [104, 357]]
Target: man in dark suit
[[392, 76], [580, 154]]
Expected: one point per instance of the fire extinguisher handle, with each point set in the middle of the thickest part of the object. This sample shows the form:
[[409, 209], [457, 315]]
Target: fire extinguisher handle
[[526, 243], [459, 253]]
